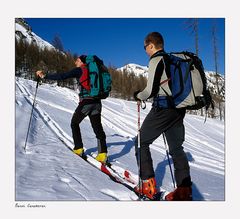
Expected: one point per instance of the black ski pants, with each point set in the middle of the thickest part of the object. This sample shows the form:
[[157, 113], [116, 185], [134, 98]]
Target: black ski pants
[[93, 110], [170, 122]]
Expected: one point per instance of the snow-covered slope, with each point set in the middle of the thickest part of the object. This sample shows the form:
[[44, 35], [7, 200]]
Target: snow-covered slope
[[49, 171], [24, 31]]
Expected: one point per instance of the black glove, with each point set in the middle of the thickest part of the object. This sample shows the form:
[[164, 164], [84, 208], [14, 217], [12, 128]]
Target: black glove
[[135, 95]]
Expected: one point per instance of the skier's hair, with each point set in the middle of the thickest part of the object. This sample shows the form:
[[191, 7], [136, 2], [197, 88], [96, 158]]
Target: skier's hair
[[155, 38]]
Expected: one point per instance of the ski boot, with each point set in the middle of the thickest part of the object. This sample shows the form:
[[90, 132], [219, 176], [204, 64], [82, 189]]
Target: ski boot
[[180, 194], [147, 188], [78, 151], [102, 157]]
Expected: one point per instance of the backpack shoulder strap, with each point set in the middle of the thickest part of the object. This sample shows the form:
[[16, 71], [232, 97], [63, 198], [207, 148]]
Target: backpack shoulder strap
[[160, 53]]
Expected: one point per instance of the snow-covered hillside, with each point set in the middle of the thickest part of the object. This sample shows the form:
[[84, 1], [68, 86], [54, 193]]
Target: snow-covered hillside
[[24, 31], [135, 69], [49, 171]]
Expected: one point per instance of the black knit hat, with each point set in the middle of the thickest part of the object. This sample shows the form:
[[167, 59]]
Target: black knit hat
[[83, 58]]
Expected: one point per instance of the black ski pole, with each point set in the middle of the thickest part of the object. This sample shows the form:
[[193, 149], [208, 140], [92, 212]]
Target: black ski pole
[[34, 99], [170, 167]]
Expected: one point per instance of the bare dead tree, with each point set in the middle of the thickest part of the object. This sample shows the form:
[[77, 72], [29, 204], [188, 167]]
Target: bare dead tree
[[192, 24], [216, 55]]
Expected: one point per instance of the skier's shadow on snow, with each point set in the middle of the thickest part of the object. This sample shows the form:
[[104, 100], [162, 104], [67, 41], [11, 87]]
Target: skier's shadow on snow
[[125, 150], [160, 172], [127, 145]]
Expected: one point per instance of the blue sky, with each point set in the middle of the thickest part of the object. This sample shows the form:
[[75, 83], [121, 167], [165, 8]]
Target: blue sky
[[119, 41]]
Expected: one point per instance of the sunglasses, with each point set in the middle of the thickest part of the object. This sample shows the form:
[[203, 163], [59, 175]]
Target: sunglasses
[[145, 46]]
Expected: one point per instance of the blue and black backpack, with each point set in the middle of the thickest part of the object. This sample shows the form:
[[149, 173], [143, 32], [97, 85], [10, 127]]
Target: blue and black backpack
[[185, 85], [99, 78]]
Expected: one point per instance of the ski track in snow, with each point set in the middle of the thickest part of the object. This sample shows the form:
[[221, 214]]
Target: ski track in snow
[[73, 183], [117, 121], [116, 194], [206, 151], [63, 136], [47, 119]]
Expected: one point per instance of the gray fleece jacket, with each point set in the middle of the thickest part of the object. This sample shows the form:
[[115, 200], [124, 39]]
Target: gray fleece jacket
[[156, 74]]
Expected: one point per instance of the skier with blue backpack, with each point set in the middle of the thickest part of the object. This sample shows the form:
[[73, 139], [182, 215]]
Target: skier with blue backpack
[[161, 119], [94, 85], [176, 82]]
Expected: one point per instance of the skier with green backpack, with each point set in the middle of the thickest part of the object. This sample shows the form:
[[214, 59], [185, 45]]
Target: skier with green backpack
[[94, 85]]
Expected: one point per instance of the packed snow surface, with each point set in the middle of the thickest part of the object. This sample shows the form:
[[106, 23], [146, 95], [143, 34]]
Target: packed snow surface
[[48, 170]]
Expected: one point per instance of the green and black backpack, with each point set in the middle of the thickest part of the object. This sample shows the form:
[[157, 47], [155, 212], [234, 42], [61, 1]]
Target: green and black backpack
[[95, 81]]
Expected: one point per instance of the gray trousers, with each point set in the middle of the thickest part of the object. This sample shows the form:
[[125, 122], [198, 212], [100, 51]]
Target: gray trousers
[[169, 121]]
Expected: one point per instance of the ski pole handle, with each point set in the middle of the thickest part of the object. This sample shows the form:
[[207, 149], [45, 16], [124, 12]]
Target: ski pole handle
[[38, 81], [143, 104]]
